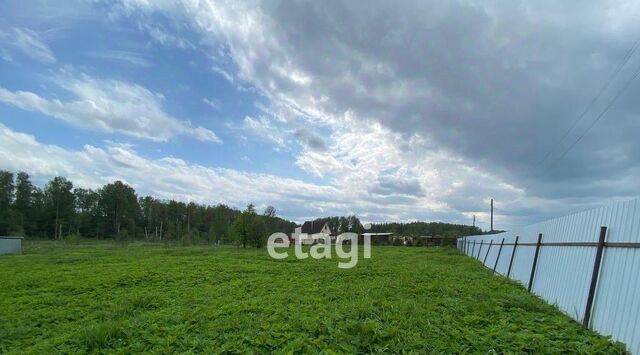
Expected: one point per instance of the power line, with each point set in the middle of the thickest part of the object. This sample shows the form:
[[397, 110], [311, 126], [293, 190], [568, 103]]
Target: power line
[[615, 73], [606, 109]]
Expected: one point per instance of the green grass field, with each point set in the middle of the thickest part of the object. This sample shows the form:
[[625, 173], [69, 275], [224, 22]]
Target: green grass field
[[100, 298]]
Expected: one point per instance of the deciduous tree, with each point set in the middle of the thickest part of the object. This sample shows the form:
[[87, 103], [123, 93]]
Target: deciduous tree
[[7, 190]]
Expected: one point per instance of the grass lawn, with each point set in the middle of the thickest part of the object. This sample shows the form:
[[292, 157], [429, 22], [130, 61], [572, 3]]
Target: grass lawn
[[102, 298]]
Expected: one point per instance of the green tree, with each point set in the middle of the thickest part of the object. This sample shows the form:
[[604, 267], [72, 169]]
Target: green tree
[[119, 206], [87, 212], [23, 202], [60, 205], [270, 211], [7, 190], [242, 226], [39, 215], [257, 232], [219, 219]]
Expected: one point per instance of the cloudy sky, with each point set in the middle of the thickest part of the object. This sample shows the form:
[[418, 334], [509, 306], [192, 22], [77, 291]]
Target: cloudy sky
[[389, 110]]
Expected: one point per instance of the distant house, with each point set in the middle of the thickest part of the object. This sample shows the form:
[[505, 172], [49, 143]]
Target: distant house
[[311, 231], [377, 238]]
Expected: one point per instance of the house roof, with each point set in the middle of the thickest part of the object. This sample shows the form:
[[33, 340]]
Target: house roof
[[313, 227]]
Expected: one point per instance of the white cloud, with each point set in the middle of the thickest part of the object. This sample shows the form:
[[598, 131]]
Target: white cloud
[[166, 177], [126, 57], [165, 38], [109, 106], [4, 55], [459, 96], [263, 128], [213, 103], [174, 178], [29, 43]]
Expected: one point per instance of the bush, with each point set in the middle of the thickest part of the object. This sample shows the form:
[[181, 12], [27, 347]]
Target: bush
[[122, 238], [186, 239], [73, 238]]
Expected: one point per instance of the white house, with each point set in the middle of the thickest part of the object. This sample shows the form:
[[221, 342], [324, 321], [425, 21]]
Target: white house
[[311, 231]]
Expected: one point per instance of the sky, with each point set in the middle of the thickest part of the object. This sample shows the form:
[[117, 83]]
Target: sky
[[393, 111]]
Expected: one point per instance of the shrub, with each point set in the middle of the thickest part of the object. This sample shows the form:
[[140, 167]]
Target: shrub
[[122, 238]]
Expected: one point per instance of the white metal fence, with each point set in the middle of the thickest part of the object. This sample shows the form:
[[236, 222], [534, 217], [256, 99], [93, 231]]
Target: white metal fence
[[588, 264]]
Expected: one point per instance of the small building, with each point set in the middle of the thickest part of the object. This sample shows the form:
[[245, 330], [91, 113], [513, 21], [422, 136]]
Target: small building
[[378, 238], [11, 245], [311, 231]]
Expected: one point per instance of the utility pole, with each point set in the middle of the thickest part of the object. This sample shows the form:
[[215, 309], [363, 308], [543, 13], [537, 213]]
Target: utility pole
[[474, 220], [492, 215]]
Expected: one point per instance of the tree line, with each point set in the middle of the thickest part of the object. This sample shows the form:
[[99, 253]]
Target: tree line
[[416, 229], [343, 224], [115, 210], [58, 210]]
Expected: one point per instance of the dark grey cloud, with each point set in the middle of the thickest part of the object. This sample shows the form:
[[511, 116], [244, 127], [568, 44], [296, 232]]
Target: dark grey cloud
[[497, 83], [310, 140], [389, 185], [493, 83]]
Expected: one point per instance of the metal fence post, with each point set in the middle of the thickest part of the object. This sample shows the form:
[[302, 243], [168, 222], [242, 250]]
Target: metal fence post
[[498, 256], [484, 262], [473, 250], [535, 262], [480, 249], [513, 253], [594, 277]]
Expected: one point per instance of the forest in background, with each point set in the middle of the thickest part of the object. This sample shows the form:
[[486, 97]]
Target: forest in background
[[59, 210], [433, 229]]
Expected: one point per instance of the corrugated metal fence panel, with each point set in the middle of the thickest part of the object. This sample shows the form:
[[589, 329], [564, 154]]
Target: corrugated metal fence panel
[[616, 310], [523, 260], [563, 273], [505, 257], [563, 276], [617, 303]]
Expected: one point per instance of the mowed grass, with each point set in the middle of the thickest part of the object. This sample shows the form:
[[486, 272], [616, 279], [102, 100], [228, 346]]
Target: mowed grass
[[106, 299]]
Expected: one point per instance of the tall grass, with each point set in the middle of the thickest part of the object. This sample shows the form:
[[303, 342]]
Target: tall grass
[[76, 298]]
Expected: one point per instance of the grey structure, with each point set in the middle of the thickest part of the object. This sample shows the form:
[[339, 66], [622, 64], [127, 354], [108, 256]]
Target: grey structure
[[10, 245]]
